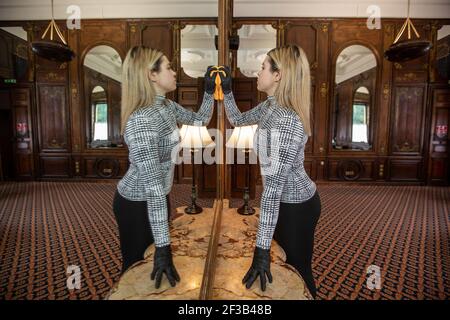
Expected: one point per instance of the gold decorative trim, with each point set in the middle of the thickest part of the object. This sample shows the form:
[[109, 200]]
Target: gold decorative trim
[[323, 90], [406, 147], [386, 91], [410, 76], [281, 29], [74, 92], [54, 144], [381, 171]]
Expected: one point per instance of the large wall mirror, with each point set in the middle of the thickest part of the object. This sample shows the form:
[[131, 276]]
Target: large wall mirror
[[254, 43], [354, 92], [443, 53], [13, 53], [102, 76], [197, 49]]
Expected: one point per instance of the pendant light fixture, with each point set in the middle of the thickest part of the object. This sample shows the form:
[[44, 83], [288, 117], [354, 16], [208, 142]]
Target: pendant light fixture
[[408, 49], [53, 49]]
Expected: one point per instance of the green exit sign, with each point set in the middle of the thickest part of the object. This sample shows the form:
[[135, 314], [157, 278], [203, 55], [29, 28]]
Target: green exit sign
[[9, 80]]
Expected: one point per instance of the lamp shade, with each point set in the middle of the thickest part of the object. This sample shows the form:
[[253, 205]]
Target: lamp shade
[[242, 137], [195, 137]]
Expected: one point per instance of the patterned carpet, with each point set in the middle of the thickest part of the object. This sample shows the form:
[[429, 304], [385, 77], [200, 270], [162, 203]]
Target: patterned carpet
[[405, 231]]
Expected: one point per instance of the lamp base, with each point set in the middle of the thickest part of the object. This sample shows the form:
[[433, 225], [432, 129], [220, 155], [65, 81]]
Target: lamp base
[[193, 209], [246, 210]]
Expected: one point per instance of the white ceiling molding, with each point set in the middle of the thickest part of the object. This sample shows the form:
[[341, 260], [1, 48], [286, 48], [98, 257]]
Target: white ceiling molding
[[109, 9], [439, 9]]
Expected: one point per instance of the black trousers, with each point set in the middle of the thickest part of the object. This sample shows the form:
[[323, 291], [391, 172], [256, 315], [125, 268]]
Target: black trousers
[[134, 228], [295, 234]]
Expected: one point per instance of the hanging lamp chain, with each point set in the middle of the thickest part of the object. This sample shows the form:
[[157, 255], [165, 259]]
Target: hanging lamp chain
[[52, 26], [408, 23]]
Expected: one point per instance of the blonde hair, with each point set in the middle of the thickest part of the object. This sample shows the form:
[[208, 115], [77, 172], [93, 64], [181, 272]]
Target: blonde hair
[[137, 90], [294, 88]]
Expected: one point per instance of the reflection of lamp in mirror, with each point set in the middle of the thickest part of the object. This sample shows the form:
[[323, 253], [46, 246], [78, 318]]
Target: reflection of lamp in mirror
[[242, 138], [194, 138]]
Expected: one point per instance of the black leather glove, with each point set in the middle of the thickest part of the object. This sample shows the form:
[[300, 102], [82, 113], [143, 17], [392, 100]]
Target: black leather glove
[[226, 80], [163, 264], [260, 267], [210, 84]]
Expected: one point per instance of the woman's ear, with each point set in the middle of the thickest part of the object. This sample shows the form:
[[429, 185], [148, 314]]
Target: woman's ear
[[152, 75], [277, 76]]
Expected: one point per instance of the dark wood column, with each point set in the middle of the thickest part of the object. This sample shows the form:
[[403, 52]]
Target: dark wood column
[[224, 25]]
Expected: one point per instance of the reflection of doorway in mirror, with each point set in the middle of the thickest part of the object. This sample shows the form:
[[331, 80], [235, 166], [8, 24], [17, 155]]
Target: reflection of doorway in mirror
[[360, 115], [99, 114], [101, 126], [254, 43]]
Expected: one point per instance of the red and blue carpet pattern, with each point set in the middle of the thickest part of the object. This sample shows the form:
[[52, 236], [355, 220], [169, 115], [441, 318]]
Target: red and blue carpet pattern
[[47, 226]]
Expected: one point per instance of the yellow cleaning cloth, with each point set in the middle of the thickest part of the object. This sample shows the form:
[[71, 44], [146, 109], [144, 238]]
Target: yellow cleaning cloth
[[218, 93]]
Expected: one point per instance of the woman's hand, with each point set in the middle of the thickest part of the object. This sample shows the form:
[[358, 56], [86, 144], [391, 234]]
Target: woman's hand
[[210, 80], [260, 267], [226, 79], [163, 264]]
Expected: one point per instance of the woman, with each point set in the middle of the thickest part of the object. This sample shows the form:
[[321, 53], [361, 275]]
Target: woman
[[290, 203], [149, 122]]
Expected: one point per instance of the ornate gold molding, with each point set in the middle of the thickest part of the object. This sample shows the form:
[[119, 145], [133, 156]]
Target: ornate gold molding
[[74, 91], [324, 27], [381, 170], [386, 91], [323, 90]]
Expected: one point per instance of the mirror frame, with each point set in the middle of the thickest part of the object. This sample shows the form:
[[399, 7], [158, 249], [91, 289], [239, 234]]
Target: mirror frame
[[375, 100]]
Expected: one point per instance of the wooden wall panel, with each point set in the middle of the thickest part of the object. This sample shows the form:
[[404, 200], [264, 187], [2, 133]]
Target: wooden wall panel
[[408, 120], [53, 119], [306, 34], [159, 36], [405, 170], [96, 32], [55, 167]]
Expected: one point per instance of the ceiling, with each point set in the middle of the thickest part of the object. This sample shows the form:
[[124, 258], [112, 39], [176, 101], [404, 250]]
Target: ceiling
[[40, 9]]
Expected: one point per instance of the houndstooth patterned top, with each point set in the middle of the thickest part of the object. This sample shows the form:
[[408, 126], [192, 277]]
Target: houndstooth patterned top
[[280, 145], [152, 137]]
